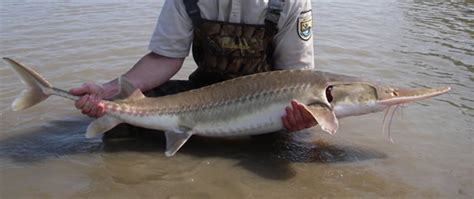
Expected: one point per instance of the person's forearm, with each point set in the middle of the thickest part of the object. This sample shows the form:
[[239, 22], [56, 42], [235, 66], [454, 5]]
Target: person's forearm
[[149, 72], [153, 70]]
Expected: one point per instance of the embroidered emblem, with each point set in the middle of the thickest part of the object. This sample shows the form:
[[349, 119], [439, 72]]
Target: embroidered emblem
[[305, 22]]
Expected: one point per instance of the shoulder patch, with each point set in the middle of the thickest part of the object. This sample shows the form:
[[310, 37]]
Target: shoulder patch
[[304, 25]]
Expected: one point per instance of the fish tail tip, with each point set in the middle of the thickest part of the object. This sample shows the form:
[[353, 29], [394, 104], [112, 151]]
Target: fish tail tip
[[36, 86]]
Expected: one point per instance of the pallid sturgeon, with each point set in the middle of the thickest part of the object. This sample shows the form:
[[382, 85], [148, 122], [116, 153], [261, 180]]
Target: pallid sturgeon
[[248, 105]]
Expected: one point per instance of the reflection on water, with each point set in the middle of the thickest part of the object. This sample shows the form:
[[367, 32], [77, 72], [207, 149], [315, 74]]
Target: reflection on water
[[267, 155], [406, 43], [42, 143]]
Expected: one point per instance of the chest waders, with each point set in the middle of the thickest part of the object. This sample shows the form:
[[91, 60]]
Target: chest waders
[[224, 50]]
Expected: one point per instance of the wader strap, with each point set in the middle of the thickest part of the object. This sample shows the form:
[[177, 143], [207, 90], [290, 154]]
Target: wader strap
[[271, 22], [193, 11], [273, 11]]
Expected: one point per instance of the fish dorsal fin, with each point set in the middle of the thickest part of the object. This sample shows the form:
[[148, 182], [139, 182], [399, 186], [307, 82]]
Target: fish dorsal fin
[[325, 117], [127, 91], [137, 94]]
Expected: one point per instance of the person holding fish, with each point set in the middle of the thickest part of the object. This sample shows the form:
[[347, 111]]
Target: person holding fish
[[229, 38]]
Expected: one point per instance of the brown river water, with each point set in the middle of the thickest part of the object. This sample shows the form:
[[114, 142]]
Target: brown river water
[[44, 154]]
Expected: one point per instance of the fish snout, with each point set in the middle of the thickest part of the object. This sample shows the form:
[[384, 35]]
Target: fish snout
[[394, 96]]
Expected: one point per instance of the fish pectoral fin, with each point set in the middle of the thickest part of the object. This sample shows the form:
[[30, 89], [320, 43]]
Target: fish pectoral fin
[[175, 140], [101, 125], [325, 117]]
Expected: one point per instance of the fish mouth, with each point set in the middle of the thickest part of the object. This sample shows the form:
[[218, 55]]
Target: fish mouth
[[394, 96]]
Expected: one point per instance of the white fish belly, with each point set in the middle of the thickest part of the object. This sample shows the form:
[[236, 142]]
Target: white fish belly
[[264, 120], [158, 122]]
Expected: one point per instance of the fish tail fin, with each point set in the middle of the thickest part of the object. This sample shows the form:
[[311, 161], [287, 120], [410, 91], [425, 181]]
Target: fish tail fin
[[38, 89]]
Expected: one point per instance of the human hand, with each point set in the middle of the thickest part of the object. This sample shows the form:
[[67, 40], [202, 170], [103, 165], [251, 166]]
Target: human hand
[[298, 117], [90, 102]]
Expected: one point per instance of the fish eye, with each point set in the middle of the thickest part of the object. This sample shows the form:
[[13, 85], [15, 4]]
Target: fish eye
[[394, 92], [329, 94]]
